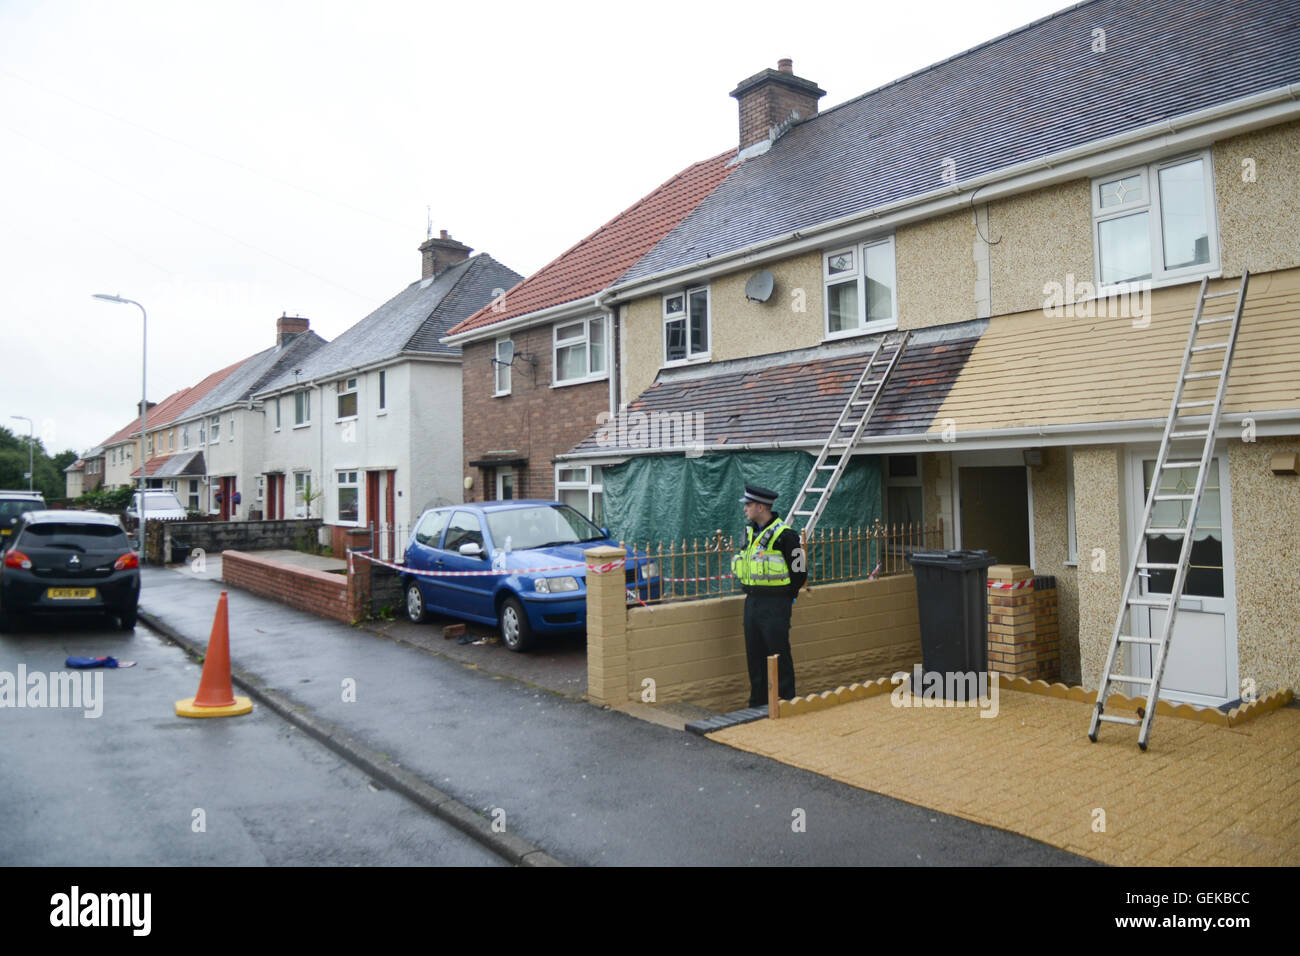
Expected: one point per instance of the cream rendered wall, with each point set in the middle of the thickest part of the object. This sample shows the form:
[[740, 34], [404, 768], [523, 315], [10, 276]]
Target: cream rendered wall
[[293, 448], [1100, 529], [1259, 215], [1051, 550], [433, 463], [1265, 516]]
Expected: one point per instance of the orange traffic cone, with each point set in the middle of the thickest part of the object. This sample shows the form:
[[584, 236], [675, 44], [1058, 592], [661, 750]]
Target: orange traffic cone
[[216, 696]]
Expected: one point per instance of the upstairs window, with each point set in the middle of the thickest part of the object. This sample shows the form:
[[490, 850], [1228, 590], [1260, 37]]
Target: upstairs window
[[347, 400], [277, 413], [860, 284], [214, 429], [580, 350], [302, 407], [686, 325], [501, 371], [383, 390], [1155, 222]]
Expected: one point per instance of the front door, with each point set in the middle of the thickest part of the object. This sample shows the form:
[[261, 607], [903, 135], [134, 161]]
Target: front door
[[505, 484], [994, 502], [1201, 666], [227, 496]]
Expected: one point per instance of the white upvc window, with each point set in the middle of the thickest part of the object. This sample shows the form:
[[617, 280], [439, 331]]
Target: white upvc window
[[301, 491], [349, 497], [302, 407], [686, 325], [171, 439], [277, 413], [581, 488], [383, 389], [230, 435], [148, 441], [501, 371], [579, 351], [860, 284], [185, 437], [214, 429], [347, 399], [1155, 223], [193, 497], [203, 431]]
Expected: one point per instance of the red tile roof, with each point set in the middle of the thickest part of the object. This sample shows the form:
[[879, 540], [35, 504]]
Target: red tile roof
[[173, 406], [596, 261], [153, 464]]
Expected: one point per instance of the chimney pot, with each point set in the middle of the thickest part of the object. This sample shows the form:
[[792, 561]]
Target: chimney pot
[[785, 65]]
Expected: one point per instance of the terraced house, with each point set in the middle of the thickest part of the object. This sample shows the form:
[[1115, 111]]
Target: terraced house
[[1039, 212]]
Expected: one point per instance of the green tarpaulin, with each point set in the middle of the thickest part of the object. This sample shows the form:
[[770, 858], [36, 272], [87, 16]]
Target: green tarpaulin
[[665, 498]]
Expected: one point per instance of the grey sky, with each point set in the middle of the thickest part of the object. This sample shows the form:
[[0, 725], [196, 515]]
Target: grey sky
[[224, 163]]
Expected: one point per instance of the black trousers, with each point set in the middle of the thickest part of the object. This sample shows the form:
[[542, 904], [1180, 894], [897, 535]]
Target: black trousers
[[767, 631]]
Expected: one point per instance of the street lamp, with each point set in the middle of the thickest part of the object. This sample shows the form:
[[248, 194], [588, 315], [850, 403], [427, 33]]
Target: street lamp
[[31, 443], [144, 400]]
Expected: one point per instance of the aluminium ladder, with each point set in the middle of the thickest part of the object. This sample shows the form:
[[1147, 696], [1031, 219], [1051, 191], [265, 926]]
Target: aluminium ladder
[[1139, 566], [880, 366]]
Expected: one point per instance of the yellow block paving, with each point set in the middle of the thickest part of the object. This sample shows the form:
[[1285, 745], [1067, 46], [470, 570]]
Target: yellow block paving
[[1200, 795]]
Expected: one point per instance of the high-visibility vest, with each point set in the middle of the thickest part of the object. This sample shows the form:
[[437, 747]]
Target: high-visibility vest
[[761, 563]]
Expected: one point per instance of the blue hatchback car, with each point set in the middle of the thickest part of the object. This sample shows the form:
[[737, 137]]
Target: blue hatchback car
[[522, 553]]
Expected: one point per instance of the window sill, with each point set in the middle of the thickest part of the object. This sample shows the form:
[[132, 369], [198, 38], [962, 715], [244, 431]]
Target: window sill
[[500, 394], [871, 328], [693, 360], [1071, 564], [381, 413], [303, 425], [1139, 285], [602, 377], [341, 421]]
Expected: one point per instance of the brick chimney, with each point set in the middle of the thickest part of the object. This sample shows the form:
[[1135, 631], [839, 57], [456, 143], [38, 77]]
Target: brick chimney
[[286, 327], [441, 252], [768, 98]]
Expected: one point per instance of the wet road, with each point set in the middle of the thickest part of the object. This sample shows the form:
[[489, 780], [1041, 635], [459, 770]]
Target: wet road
[[139, 786]]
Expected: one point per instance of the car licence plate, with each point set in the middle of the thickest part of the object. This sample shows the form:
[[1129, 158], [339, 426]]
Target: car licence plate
[[63, 594]]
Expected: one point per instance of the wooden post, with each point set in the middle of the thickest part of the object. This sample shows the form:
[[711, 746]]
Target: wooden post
[[773, 707]]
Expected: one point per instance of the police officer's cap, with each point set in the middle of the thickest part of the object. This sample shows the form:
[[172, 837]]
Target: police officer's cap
[[760, 495]]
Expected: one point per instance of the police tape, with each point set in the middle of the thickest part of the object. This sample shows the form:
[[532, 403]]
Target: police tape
[[1009, 586], [593, 568]]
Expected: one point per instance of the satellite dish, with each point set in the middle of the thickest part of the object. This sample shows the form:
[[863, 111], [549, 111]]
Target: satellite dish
[[759, 287]]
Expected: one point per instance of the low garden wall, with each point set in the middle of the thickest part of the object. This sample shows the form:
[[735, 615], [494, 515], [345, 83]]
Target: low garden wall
[[337, 596], [177, 539]]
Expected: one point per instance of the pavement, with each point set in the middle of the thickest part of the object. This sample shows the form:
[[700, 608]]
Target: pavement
[[540, 777], [1200, 795]]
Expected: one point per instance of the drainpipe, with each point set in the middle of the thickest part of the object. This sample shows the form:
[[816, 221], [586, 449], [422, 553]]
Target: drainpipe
[[612, 343]]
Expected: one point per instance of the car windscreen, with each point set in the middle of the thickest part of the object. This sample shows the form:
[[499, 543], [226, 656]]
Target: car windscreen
[[82, 537], [540, 527]]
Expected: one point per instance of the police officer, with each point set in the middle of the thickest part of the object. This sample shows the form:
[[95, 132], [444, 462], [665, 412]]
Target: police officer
[[771, 569]]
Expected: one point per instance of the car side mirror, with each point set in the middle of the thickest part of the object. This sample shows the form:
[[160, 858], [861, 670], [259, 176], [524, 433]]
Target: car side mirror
[[471, 549], [605, 532]]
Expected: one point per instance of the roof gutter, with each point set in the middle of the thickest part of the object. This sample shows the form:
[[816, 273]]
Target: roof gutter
[[1190, 131], [553, 313], [1267, 424]]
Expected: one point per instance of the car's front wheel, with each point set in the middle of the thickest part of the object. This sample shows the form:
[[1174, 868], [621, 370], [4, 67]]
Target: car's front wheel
[[516, 632], [415, 608]]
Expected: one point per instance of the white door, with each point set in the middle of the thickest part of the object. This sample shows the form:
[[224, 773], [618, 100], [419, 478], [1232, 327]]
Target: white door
[[1202, 656]]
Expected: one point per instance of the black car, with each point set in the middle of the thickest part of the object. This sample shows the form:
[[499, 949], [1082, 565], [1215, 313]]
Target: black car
[[69, 561], [13, 505]]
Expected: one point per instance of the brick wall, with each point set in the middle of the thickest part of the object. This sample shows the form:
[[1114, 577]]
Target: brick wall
[[536, 421], [1024, 634], [336, 596]]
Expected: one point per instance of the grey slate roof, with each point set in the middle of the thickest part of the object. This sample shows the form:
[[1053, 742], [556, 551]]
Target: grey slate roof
[[249, 379], [411, 321], [796, 397], [1035, 91]]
